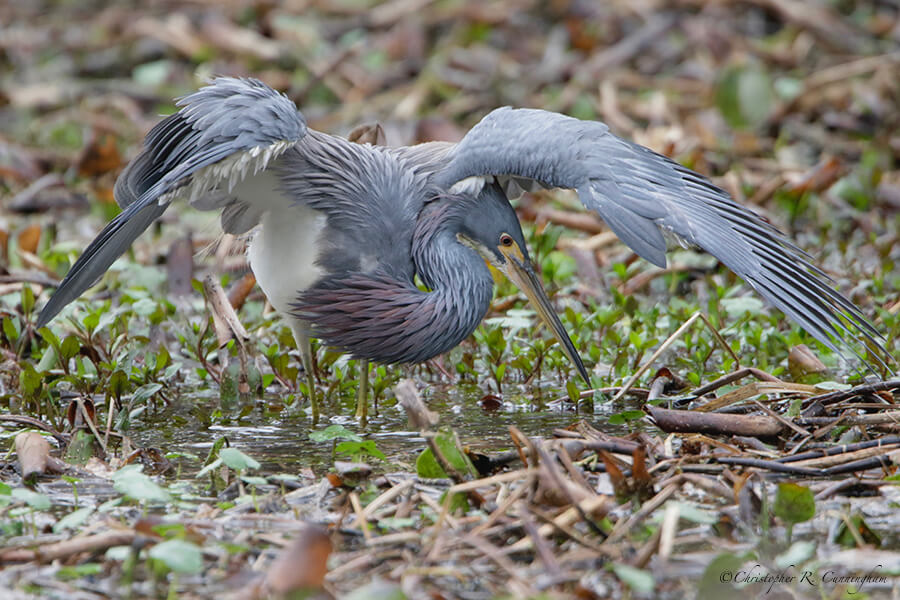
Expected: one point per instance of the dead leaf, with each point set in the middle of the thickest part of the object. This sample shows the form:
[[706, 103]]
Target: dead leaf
[[370, 133], [76, 417], [616, 477], [33, 452], [176, 31], [643, 481], [29, 238], [4, 244], [302, 566], [100, 155], [352, 473], [240, 40], [802, 361], [820, 177]]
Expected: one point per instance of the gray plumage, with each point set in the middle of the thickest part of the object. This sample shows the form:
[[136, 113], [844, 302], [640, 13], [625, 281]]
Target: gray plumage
[[227, 118], [643, 195], [345, 228], [382, 315]]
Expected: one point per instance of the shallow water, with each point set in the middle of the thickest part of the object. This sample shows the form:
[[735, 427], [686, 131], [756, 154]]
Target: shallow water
[[279, 438]]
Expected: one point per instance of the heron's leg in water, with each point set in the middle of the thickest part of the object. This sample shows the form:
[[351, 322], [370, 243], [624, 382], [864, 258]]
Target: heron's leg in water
[[301, 336], [362, 394]]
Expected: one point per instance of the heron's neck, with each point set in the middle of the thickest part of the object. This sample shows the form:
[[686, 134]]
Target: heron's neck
[[461, 284]]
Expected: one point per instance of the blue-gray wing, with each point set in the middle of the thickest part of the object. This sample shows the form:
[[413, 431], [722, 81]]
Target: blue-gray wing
[[223, 132], [645, 197]]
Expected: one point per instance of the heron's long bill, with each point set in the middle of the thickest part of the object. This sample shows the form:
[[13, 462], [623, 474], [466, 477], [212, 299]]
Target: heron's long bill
[[523, 275]]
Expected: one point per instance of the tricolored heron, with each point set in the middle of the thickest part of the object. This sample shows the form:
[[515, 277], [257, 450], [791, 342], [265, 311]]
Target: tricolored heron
[[343, 229]]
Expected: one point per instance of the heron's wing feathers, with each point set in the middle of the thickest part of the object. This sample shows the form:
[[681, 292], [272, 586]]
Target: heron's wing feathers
[[645, 197], [222, 132]]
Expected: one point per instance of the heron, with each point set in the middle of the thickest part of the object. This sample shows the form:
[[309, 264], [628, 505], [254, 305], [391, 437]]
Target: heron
[[342, 231]]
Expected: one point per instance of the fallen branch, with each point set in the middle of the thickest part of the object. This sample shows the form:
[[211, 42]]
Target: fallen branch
[[60, 550], [833, 397], [768, 465], [687, 421]]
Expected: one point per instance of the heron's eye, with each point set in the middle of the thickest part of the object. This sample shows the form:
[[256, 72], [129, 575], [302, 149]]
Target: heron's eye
[[506, 240]]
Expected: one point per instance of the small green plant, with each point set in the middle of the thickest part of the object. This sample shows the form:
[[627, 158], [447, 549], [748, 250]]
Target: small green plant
[[794, 503], [348, 443]]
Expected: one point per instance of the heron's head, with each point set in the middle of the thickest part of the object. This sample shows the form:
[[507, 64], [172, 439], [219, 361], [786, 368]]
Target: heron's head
[[492, 229]]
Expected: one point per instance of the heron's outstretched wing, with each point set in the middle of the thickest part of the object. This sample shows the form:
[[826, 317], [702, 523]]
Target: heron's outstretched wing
[[643, 195], [222, 133]]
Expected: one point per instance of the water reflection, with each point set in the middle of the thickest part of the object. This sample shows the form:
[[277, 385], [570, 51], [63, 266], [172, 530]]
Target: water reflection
[[279, 438]]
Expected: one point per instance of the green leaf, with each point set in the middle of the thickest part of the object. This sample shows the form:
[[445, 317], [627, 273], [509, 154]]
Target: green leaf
[[794, 503], [741, 305], [80, 448], [179, 556], [718, 578], [30, 379], [788, 88], [632, 415], [449, 447], [73, 520], [357, 449], [395, 523], [845, 537], [69, 348], [27, 299], [639, 580], [49, 336], [10, 330], [334, 432], [131, 482], [210, 467], [832, 386], [459, 503], [251, 480], [32, 499], [745, 96], [79, 571], [572, 391], [796, 555], [379, 589], [690, 512], [145, 392], [616, 419], [49, 360], [427, 466], [120, 553], [237, 460]]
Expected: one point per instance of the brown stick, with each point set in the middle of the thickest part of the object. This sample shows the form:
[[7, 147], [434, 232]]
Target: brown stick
[[52, 552], [843, 449], [227, 325], [686, 421], [873, 419], [882, 460], [238, 293], [732, 377], [768, 465], [832, 397]]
